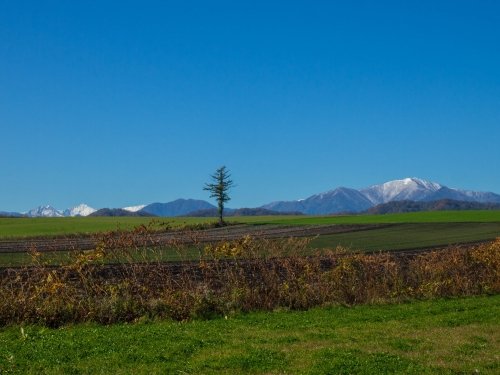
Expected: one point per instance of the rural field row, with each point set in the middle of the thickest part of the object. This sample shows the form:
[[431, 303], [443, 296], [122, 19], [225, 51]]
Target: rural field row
[[165, 246], [69, 226], [115, 271], [186, 236]]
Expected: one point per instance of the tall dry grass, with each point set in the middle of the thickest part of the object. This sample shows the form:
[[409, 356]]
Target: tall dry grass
[[125, 279]]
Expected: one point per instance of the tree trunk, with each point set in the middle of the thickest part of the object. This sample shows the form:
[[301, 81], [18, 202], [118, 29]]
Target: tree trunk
[[221, 221]]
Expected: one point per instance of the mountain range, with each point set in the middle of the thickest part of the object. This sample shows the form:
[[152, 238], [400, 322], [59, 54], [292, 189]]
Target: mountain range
[[350, 200], [259, 211], [49, 211], [339, 200], [179, 207], [118, 212]]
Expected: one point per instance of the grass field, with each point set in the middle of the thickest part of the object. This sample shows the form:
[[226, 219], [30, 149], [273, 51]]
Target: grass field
[[35, 227], [412, 217], [32, 227], [410, 236], [430, 337]]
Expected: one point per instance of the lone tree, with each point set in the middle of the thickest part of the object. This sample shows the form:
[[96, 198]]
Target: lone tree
[[221, 183]]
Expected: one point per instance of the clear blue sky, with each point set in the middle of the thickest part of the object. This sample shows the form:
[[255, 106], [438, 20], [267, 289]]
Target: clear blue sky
[[128, 102]]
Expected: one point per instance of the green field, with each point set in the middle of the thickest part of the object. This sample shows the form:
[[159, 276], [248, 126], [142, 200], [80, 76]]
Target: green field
[[411, 236], [484, 216], [33, 227], [431, 337], [36, 227]]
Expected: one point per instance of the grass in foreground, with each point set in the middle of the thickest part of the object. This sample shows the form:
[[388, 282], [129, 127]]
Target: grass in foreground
[[430, 337], [35, 227]]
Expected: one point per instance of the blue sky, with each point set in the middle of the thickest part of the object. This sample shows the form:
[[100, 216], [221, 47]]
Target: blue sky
[[127, 102]]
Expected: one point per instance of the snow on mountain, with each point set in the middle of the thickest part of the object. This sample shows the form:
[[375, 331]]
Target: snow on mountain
[[134, 208], [334, 201], [407, 189], [414, 189], [44, 211], [49, 211], [80, 210], [480, 196], [338, 200]]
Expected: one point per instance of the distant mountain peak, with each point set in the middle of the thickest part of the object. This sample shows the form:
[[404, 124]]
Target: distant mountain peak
[[344, 199], [341, 199], [81, 210], [49, 211], [134, 208], [44, 211], [177, 207], [410, 188]]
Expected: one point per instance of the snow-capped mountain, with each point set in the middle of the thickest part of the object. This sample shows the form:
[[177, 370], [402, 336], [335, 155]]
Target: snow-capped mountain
[[49, 211], [413, 189], [44, 211], [338, 200], [341, 199], [479, 196], [408, 189], [134, 208], [416, 189], [80, 210]]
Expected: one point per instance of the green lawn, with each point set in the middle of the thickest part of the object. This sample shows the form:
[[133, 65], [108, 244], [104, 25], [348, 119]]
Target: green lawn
[[430, 337], [32, 227]]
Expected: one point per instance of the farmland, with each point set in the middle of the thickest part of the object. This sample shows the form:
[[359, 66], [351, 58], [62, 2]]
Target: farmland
[[35, 227], [263, 295], [357, 232], [359, 237]]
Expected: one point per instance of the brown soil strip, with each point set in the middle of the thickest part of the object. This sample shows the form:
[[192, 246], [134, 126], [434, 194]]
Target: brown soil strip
[[188, 237]]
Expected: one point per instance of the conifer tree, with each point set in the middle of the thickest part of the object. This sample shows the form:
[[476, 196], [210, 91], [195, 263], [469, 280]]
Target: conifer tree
[[218, 188]]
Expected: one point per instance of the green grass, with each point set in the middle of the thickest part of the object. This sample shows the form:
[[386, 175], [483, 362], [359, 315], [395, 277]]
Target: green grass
[[61, 226], [33, 227], [409, 236], [412, 217], [430, 337]]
